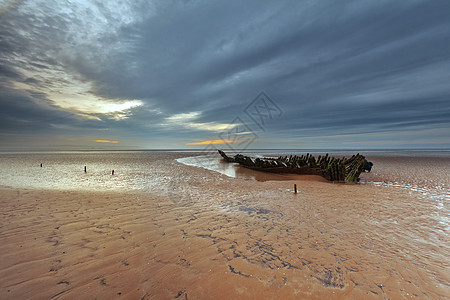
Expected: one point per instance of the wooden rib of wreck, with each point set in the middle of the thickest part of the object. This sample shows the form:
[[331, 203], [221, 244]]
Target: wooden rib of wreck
[[331, 168]]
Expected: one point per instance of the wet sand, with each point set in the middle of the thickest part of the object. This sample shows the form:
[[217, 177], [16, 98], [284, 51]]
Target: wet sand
[[214, 237]]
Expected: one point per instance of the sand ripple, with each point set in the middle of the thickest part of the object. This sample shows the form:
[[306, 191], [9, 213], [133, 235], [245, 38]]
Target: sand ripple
[[203, 235]]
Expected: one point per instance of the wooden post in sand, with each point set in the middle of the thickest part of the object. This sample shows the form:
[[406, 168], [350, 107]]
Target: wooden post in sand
[[112, 173], [85, 169], [295, 188], [41, 165]]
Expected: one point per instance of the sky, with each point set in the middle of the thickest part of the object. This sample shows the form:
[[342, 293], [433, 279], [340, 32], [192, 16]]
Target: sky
[[168, 74]]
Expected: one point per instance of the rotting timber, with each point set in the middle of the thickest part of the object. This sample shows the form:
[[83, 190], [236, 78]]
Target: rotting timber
[[331, 168]]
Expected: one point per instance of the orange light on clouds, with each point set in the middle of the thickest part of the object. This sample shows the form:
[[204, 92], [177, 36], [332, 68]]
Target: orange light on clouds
[[211, 142], [106, 141]]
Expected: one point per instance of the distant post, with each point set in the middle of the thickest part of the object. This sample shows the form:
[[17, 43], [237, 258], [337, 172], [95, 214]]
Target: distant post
[[41, 165], [295, 188], [85, 169], [112, 173]]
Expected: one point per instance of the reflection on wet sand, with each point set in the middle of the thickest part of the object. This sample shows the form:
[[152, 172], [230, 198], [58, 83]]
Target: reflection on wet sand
[[245, 173], [237, 171]]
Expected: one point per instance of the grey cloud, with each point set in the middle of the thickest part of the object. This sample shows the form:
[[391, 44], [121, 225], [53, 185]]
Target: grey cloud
[[19, 113], [362, 66]]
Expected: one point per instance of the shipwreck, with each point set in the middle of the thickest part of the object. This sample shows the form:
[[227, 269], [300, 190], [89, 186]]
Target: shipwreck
[[333, 169]]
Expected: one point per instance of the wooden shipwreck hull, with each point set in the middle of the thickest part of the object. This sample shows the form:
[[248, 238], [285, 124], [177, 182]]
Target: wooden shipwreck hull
[[331, 168]]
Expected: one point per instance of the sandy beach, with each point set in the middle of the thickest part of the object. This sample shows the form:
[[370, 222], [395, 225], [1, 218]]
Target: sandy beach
[[216, 237]]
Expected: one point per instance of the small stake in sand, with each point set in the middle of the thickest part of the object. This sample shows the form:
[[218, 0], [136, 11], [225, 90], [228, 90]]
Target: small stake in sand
[[85, 169], [295, 188], [41, 165], [112, 173]]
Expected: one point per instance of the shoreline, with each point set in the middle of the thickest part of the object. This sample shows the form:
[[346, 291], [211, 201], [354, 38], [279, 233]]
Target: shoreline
[[219, 238]]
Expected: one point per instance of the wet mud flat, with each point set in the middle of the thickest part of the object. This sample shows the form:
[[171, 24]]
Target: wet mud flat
[[205, 235]]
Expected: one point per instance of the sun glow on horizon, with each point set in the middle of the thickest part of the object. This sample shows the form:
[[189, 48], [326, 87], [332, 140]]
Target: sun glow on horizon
[[211, 142], [106, 141]]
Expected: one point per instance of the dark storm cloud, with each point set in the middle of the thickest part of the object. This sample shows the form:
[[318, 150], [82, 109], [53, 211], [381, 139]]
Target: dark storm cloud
[[334, 68], [324, 54]]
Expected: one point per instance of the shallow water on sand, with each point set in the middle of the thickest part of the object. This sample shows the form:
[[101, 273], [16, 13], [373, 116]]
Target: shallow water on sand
[[191, 231]]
